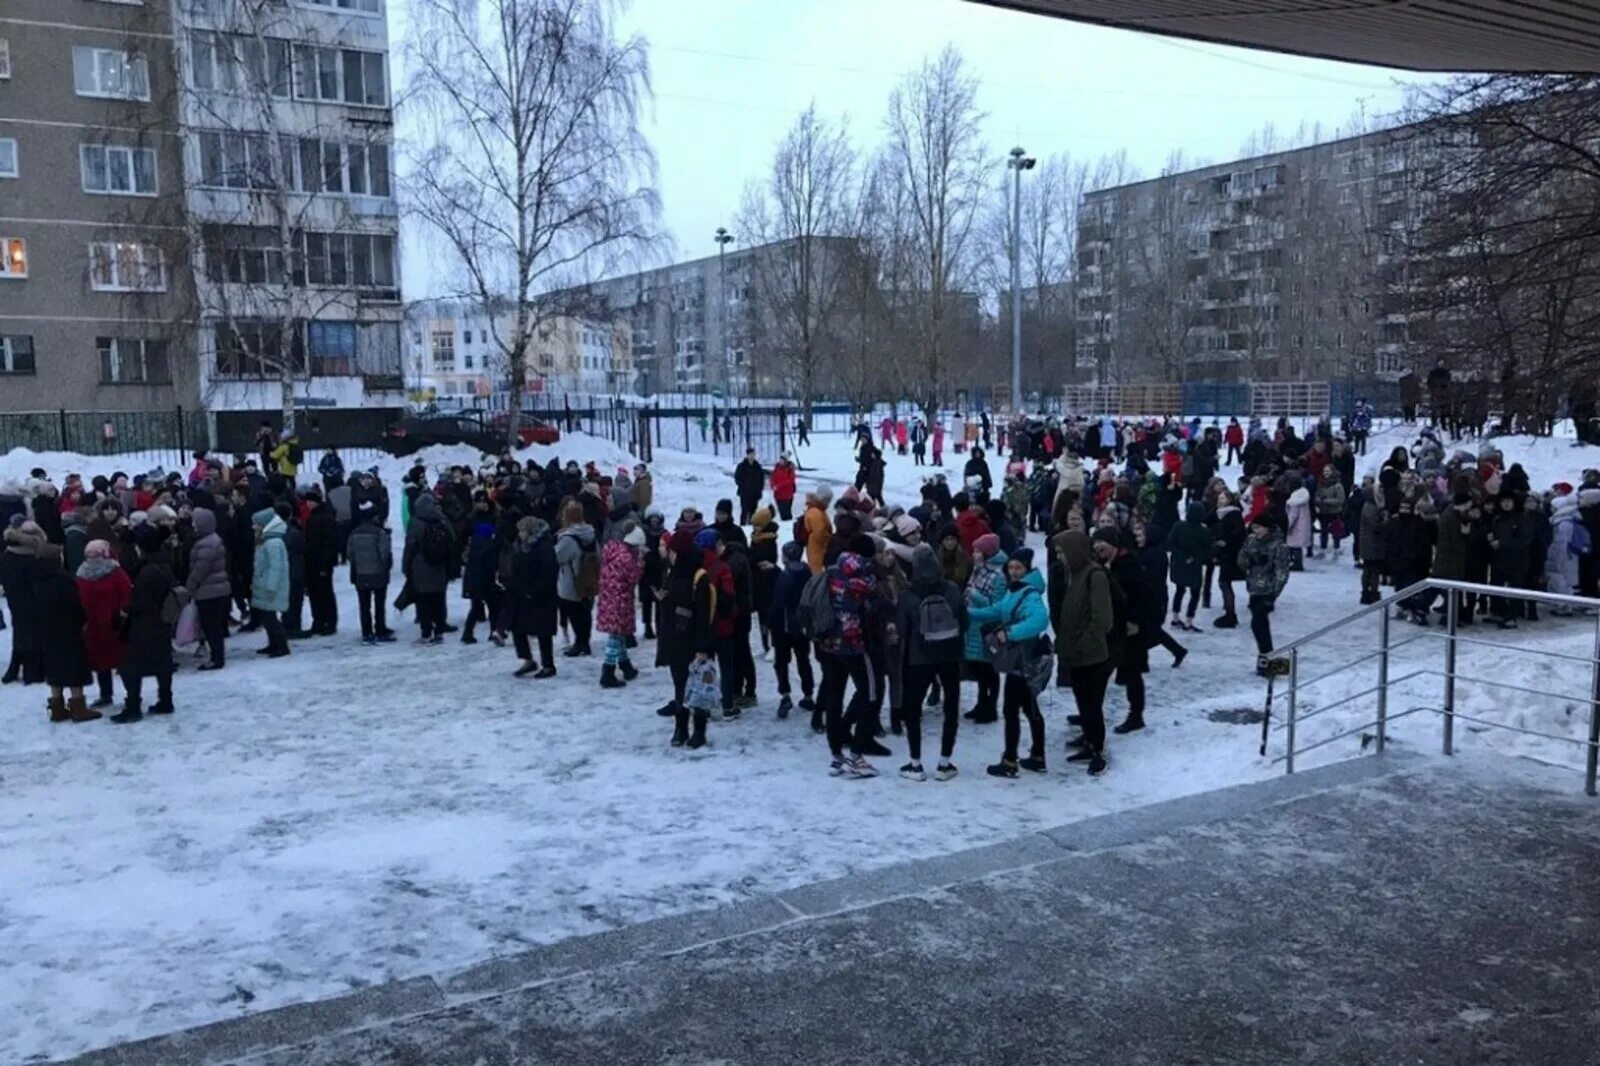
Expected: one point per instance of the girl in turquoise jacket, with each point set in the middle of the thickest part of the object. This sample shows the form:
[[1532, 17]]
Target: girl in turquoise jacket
[[1019, 617]]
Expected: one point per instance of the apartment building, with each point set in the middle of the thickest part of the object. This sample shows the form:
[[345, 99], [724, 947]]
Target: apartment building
[[94, 292], [196, 207], [292, 221], [454, 351], [1285, 266]]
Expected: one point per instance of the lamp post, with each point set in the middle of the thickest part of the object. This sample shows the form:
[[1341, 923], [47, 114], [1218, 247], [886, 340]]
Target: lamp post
[[723, 239], [1019, 161]]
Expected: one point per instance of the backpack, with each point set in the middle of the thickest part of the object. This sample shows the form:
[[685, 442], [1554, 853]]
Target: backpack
[[937, 621], [1580, 543], [588, 573], [437, 543], [816, 618], [297, 454]]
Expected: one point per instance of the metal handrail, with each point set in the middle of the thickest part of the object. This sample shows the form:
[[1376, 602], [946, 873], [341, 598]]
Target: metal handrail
[[1454, 592]]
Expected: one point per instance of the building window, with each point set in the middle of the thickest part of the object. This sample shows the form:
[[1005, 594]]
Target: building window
[[5, 59], [364, 7], [340, 75], [254, 349], [117, 170], [127, 266], [444, 350], [106, 72], [13, 257], [132, 361], [249, 255], [230, 63], [8, 157], [16, 354], [357, 260], [466, 360], [332, 348]]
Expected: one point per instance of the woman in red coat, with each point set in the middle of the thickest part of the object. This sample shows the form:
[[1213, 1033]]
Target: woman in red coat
[[783, 486], [105, 591]]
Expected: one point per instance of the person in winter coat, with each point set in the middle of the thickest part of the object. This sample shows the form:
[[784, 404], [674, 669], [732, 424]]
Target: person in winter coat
[[852, 590], [783, 486], [1233, 437], [1454, 530], [371, 559], [578, 578], [818, 529], [782, 621], [61, 622], [1084, 639], [1299, 535], [1374, 514], [620, 566], [429, 564], [1568, 541], [985, 586], [208, 586], [955, 564], [1192, 548], [1330, 501], [972, 522], [750, 479], [1150, 549], [919, 443], [321, 560], [1229, 533], [978, 467], [931, 618], [1407, 555], [480, 577], [1266, 563], [294, 544], [18, 562], [149, 651], [532, 597], [1511, 542], [937, 443], [1019, 617], [685, 634], [1540, 532], [104, 589], [269, 589], [332, 470], [763, 560]]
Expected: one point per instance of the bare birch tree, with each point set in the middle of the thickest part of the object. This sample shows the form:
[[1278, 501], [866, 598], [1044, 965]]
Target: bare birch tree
[[803, 207], [530, 165], [935, 143]]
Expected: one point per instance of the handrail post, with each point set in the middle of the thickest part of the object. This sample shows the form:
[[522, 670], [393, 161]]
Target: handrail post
[[1383, 680], [1294, 681], [1452, 620], [1593, 753]]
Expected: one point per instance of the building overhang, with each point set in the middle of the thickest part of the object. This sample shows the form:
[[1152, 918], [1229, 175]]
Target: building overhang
[[1522, 36]]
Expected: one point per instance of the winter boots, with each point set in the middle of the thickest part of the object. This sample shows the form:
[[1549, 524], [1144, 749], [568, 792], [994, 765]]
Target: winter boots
[[697, 739], [785, 705], [1131, 724], [680, 728], [129, 713], [629, 671], [1227, 621], [58, 709], [609, 678], [78, 710]]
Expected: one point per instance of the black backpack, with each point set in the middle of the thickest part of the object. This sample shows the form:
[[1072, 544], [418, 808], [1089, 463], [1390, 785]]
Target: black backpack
[[297, 454], [437, 543]]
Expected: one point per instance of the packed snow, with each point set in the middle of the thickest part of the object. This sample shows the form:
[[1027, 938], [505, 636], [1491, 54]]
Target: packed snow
[[352, 815]]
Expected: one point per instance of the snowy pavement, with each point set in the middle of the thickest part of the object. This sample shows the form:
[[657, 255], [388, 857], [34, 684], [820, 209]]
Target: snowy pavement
[[354, 815]]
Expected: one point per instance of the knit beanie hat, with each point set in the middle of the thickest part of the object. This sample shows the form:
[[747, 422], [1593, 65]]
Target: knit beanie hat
[[634, 538], [987, 545]]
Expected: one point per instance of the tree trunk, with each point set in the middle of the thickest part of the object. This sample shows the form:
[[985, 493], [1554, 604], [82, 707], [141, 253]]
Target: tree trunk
[[518, 367], [286, 399]]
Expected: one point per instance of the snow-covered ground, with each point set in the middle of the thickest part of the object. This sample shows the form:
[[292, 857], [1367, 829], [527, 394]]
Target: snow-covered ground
[[352, 815]]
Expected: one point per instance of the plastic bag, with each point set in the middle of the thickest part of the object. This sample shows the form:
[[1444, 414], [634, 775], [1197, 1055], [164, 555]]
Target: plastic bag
[[702, 693], [187, 629]]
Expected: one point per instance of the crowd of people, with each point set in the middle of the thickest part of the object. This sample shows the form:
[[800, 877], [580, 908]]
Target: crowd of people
[[864, 605]]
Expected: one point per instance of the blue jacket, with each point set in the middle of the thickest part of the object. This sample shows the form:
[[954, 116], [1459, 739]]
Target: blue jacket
[[985, 587], [786, 590], [1021, 611], [269, 589]]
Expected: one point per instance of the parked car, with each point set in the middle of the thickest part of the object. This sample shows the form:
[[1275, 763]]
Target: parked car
[[415, 432]]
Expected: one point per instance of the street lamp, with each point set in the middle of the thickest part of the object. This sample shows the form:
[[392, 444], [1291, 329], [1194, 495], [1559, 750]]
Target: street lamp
[[1019, 161], [723, 239]]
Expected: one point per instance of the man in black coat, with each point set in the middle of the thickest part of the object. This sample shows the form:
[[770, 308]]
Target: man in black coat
[[294, 543], [321, 560], [750, 481], [240, 535], [149, 651]]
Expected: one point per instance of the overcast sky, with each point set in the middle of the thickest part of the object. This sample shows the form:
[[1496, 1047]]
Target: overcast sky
[[730, 76]]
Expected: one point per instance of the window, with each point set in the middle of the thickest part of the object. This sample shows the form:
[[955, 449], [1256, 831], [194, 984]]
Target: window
[[444, 350], [16, 354], [340, 75], [8, 157], [466, 336], [109, 73], [237, 160], [359, 260], [253, 349], [250, 255], [466, 360], [5, 59], [230, 63], [132, 361], [13, 257], [118, 170], [126, 266], [332, 348], [368, 7], [330, 166]]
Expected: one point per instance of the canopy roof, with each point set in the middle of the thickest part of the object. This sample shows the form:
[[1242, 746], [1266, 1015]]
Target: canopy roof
[[1524, 36]]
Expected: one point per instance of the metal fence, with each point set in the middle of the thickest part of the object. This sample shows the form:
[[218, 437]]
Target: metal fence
[[1217, 399]]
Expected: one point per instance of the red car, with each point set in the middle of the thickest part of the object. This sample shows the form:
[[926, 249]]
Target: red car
[[530, 430]]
